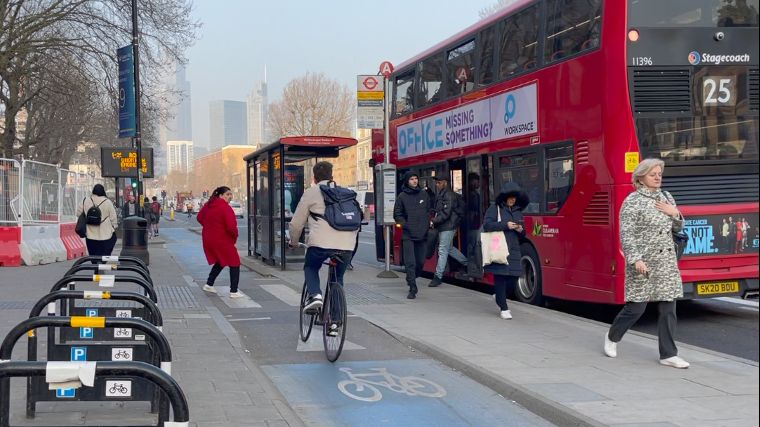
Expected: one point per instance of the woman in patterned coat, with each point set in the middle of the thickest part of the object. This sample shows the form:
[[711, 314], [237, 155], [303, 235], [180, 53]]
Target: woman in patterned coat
[[647, 218]]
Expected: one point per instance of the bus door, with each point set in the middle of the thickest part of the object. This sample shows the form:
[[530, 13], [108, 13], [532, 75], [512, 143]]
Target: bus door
[[476, 200], [457, 174]]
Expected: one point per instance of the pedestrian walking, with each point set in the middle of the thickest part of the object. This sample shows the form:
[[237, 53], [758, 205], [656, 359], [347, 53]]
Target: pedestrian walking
[[412, 213], [219, 236], [129, 208], [446, 219], [101, 222], [157, 211], [147, 214], [647, 219], [508, 207]]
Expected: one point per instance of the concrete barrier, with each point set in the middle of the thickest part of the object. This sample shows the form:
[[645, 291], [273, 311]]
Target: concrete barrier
[[41, 244], [74, 244], [10, 240]]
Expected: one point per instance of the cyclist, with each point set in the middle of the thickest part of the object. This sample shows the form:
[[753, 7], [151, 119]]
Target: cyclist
[[323, 241]]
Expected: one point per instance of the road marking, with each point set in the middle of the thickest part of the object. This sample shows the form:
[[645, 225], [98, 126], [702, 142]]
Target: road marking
[[749, 309], [284, 294], [738, 301], [315, 343], [249, 318], [245, 302]]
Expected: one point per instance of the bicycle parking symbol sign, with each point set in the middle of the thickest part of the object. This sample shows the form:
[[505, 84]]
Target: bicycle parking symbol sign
[[118, 388], [121, 353]]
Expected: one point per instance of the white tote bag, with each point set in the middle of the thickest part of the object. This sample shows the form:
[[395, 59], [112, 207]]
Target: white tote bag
[[494, 245]]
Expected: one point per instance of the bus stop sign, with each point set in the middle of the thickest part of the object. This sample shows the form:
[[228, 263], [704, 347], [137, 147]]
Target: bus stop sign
[[386, 68]]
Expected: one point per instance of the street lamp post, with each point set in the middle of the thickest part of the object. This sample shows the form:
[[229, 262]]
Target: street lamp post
[[137, 140]]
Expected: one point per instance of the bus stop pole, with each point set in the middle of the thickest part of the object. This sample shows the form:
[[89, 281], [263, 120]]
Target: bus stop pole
[[387, 273]]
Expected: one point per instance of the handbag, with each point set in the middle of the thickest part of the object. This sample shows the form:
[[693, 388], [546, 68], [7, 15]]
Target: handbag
[[680, 239], [493, 245], [81, 227]]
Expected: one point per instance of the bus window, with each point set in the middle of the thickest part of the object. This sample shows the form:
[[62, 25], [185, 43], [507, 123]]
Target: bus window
[[431, 80], [706, 13], [460, 68], [519, 38], [572, 26], [524, 170], [485, 61], [404, 96], [559, 176]]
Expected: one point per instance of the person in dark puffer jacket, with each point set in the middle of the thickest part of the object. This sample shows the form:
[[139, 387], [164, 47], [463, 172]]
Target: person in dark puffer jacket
[[412, 212]]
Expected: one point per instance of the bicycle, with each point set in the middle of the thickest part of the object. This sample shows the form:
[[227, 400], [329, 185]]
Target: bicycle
[[332, 316]]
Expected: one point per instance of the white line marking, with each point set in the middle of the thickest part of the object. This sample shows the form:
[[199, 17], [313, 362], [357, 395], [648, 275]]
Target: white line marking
[[249, 318], [284, 294], [749, 308], [738, 301]]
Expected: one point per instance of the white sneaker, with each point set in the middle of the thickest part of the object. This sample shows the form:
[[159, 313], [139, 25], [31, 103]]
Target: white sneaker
[[506, 314], [610, 347], [237, 294], [208, 288], [675, 362]]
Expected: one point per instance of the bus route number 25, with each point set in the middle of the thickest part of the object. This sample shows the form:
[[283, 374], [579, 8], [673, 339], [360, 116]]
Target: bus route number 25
[[718, 91]]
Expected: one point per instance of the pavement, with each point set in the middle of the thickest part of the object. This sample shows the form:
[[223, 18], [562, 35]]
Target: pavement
[[223, 385], [550, 362]]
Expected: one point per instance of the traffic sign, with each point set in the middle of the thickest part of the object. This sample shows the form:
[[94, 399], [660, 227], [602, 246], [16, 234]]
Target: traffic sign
[[370, 97], [386, 68]]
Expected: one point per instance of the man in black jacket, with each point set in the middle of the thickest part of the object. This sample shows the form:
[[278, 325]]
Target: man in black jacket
[[446, 221], [412, 212]]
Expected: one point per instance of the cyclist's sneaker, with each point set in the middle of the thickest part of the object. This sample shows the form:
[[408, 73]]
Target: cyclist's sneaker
[[313, 303], [208, 288], [236, 294], [333, 330]]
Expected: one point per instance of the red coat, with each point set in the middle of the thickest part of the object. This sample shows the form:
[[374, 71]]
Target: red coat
[[220, 233]]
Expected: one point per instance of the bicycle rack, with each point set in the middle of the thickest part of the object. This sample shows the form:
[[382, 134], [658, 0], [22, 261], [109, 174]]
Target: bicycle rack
[[138, 390], [117, 370], [111, 259], [99, 278], [109, 269]]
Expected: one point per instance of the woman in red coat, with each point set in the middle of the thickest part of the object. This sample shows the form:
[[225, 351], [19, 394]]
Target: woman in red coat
[[220, 233]]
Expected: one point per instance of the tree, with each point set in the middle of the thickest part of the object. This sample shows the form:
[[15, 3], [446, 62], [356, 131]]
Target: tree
[[312, 105], [52, 49], [490, 10]]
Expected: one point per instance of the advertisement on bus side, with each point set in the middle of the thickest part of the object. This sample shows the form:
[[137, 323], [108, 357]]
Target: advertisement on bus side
[[721, 234], [507, 115]]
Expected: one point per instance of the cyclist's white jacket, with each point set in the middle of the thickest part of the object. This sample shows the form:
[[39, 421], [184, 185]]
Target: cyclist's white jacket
[[321, 234]]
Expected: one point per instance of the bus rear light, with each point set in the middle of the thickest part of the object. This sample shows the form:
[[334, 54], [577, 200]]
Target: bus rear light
[[633, 35]]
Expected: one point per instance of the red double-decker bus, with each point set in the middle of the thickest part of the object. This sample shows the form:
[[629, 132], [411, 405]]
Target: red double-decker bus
[[565, 97]]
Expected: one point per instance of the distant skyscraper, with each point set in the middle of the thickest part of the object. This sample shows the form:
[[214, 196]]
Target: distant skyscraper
[[257, 114], [179, 127], [227, 123], [180, 156]]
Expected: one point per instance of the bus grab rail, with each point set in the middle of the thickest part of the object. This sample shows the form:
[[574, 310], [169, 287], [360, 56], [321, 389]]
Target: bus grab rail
[[96, 278], [109, 269], [111, 258], [144, 370], [151, 306]]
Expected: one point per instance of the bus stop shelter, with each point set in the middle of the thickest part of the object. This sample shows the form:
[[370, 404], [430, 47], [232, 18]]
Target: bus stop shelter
[[276, 177]]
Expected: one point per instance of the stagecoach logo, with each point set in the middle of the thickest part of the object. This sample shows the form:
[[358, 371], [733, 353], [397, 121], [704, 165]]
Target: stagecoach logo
[[694, 57]]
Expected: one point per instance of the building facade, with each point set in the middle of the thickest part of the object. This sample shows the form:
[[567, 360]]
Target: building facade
[[224, 166], [179, 156], [179, 127], [227, 124], [258, 129]]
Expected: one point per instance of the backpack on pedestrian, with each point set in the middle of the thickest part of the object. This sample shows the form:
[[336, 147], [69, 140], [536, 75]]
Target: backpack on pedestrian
[[94, 216], [342, 211], [458, 206]]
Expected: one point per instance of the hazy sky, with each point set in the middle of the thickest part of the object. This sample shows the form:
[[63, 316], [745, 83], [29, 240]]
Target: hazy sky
[[341, 38]]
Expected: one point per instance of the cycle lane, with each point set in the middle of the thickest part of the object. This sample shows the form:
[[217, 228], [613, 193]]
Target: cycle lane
[[377, 380]]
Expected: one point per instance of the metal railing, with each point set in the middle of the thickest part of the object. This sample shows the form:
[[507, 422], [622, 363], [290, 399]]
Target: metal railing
[[10, 193]]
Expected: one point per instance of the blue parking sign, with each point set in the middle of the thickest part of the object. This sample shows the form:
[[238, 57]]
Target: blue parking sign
[[91, 312], [86, 333], [66, 392], [78, 354]]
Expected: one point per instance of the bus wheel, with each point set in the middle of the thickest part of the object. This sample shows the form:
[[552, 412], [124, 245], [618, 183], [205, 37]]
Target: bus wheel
[[529, 289]]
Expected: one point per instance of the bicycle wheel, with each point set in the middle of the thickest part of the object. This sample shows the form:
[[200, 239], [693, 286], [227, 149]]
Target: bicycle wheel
[[305, 320], [335, 315]]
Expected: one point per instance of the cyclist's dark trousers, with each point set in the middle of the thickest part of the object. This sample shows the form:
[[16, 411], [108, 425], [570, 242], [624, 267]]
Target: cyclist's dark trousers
[[414, 260], [666, 324], [313, 262], [234, 276]]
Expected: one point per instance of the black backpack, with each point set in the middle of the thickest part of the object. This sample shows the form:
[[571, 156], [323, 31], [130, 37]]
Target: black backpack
[[458, 206], [93, 214], [342, 211]]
